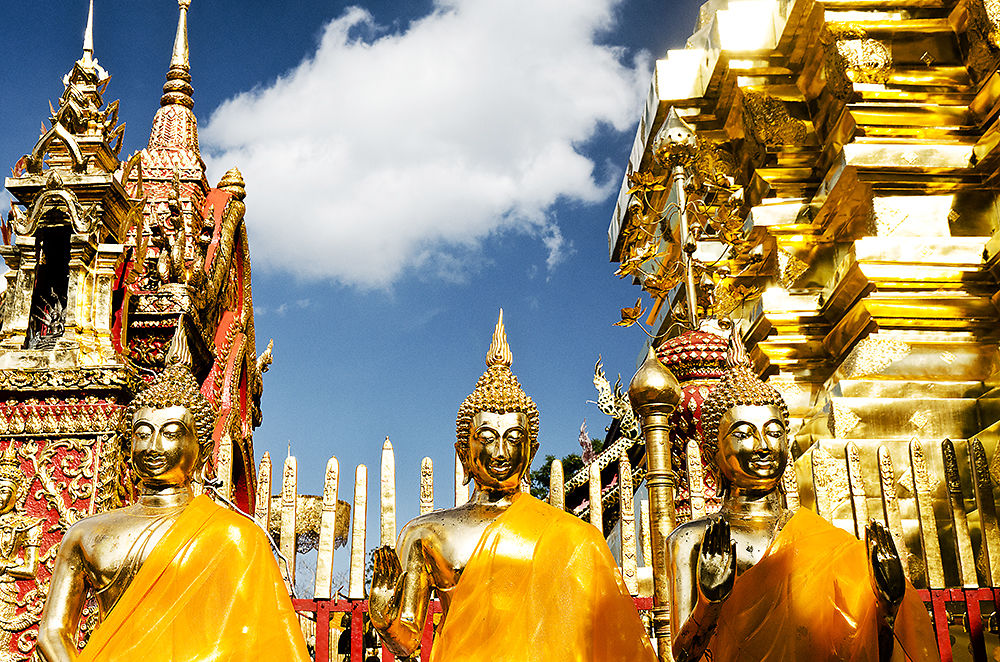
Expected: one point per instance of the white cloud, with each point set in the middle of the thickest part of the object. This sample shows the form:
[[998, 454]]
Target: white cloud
[[390, 150]]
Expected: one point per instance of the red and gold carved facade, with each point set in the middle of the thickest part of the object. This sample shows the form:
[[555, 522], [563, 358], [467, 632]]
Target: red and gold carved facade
[[107, 258]]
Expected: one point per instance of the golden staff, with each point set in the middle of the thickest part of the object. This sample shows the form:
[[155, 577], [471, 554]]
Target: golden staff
[[654, 394]]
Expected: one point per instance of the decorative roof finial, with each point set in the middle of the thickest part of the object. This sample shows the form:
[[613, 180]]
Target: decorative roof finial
[[737, 355], [177, 90], [233, 182], [499, 353], [88, 38], [179, 353]]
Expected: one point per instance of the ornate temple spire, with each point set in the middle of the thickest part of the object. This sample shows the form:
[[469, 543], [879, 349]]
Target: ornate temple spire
[[88, 38], [178, 90], [83, 130], [173, 140]]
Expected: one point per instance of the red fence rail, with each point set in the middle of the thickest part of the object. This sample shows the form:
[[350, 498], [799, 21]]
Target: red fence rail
[[936, 600], [324, 611]]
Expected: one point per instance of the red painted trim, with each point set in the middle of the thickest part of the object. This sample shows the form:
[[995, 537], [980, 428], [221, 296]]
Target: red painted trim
[[219, 199]]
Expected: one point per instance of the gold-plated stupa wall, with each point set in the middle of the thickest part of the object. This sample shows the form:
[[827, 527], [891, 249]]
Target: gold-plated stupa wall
[[864, 142]]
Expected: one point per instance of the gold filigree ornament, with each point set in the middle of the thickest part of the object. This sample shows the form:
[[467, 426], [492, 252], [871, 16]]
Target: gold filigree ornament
[[658, 286], [852, 57], [641, 242], [714, 164], [790, 268], [769, 120], [731, 295], [873, 355], [984, 36]]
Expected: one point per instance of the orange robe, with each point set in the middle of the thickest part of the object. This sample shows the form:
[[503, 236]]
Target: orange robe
[[810, 598], [209, 591], [541, 585]]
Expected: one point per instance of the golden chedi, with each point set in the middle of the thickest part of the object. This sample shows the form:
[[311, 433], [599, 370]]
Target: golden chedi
[[175, 577], [518, 579], [760, 582]]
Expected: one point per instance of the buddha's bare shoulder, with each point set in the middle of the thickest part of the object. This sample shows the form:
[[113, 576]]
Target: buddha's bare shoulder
[[687, 536], [89, 532], [98, 522], [444, 524]]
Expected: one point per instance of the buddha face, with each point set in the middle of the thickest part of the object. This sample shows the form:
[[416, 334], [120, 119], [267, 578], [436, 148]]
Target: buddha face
[[499, 450], [753, 448], [164, 445]]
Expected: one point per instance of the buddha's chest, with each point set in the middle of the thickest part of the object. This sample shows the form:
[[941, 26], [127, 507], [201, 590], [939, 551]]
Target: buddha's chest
[[117, 554], [751, 544]]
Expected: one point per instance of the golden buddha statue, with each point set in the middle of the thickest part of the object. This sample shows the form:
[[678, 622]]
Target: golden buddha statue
[[175, 577], [517, 579], [759, 582], [20, 536]]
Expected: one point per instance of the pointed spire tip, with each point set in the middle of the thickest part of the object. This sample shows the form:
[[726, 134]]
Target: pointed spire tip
[[88, 36], [178, 90]]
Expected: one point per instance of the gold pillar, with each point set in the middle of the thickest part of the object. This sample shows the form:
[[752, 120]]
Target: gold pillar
[[654, 394], [557, 494], [426, 486], [356, 581], [696, 480], [987, 511], [859, 502], [262, 506], [890, 503], [630, 564], [387, 496], [327, 532], [289, 503]]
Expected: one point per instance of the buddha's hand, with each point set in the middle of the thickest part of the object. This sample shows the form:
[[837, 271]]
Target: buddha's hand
[[885, 570], [716, 563], [383, 600]]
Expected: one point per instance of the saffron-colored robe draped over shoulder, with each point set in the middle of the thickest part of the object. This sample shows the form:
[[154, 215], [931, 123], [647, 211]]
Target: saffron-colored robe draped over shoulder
[[810, 598], [209, 591], [541, 585]]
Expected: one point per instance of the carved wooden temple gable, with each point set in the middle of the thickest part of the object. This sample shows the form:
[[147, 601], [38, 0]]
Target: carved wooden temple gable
[[107, 258]]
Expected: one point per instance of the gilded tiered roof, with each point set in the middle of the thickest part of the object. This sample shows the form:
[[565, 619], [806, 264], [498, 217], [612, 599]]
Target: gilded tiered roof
[[851, 149]]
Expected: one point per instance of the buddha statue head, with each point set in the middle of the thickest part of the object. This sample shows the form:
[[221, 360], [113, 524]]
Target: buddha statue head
[[497, 427], [745, 424], [167, 429], [11, 480]]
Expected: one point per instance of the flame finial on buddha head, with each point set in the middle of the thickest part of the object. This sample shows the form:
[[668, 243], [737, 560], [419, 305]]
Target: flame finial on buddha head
[[497, 391]]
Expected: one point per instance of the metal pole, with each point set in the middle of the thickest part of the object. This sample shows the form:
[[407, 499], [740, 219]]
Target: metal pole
[[654, 394], [692, 293]]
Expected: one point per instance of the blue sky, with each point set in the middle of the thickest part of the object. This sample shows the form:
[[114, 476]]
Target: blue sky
[[411, 167]]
